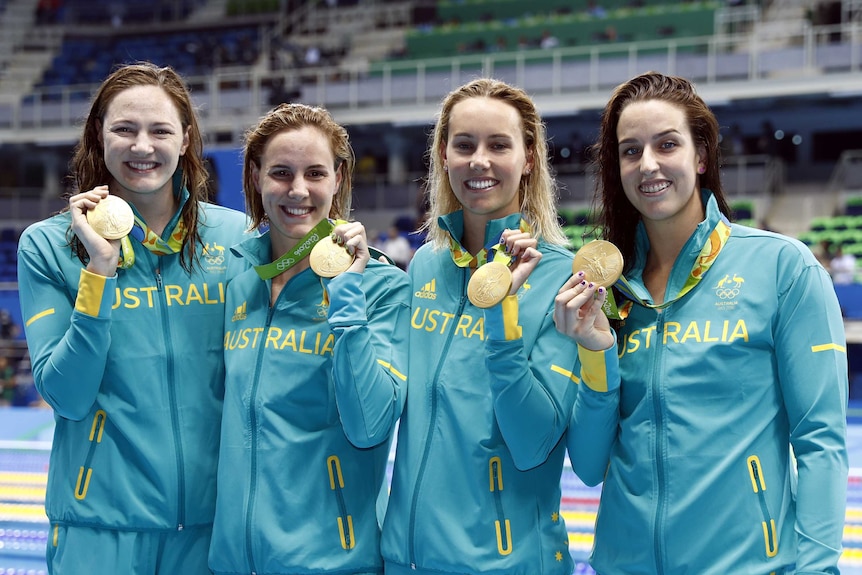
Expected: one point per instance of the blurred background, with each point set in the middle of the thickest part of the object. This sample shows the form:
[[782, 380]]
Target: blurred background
[[784, 78]]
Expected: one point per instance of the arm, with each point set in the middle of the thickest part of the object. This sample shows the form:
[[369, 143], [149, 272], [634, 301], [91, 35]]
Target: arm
[[68, 340], [533, 396], [812, 364], [369, 363], [593, 428]]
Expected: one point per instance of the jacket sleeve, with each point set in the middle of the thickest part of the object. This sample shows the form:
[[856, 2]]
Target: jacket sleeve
[[593, 428], [533, 393], [68, 338], [369, 364], [812, 365]]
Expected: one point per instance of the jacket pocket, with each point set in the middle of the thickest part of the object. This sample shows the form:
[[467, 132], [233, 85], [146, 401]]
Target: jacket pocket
[[85, 472], [344, 519], [502, 526], [758, 484]]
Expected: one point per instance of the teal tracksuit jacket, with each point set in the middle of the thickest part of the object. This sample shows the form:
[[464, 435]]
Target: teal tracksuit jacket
[[717, 388], [315, 385], [132, 366], [476, 484]]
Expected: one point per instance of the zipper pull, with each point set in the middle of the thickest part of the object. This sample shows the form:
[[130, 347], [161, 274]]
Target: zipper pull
[[159, 283]]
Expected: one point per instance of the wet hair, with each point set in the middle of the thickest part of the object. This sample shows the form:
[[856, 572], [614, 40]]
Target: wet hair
[[537, 190], [617, 217], [289, 117], [88, 164]]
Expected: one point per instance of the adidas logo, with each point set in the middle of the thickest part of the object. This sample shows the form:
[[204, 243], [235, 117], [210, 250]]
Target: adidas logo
[[240, 313], [428, 291]]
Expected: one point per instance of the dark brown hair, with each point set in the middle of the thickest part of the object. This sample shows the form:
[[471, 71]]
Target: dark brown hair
[[617, 217]]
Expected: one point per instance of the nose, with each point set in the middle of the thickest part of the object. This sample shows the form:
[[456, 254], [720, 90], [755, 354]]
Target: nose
[[142, 144], [298, 187], [649, 161], [479, 161]]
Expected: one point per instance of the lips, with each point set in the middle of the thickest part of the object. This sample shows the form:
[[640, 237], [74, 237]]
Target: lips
[[297, 211], [142, 166], [482, 184], [654, 187]]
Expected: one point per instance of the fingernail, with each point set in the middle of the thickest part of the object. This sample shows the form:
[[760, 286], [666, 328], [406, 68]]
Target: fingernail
[[333, 237], [580, 274], [583, 283], [350, 250], [601, 290], [591, 285]]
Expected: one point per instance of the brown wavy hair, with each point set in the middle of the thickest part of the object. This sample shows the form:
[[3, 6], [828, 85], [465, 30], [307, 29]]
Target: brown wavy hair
[[88, 168], [288, 117]]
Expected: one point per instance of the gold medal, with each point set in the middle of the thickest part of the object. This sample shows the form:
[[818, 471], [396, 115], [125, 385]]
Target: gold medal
[[112, 218], [328, 259], [489, 285], [601, 262]]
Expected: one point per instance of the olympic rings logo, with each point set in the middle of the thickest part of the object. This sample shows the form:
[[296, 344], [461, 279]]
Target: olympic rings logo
[[726, 293]]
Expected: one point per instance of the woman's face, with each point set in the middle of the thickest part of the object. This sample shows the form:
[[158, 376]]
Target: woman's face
[[297, 181], [659, 162], [485, 157], [143, 140]]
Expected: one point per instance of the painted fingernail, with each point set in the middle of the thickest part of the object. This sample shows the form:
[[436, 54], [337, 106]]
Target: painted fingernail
[[601, 290], [591, 285], [583, 283], [333, 237], [580, 274]]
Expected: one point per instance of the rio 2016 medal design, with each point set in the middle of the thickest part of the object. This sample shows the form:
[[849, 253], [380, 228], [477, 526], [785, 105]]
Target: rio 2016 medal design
[[112, 218], [601, 262], [489, 285], [328, 259]]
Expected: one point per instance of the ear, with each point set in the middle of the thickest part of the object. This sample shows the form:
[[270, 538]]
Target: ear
[[185, 145], [255, 176], [701, 159], [530, 163], [99, 137]]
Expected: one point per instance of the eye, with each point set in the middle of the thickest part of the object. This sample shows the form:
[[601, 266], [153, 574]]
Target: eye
[[121, 130], [669, 145], [317, 174], [630, 151]]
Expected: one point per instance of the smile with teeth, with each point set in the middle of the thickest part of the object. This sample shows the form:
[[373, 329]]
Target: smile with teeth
[[142, 165], [480, 184], [654, 187], [298, 211]]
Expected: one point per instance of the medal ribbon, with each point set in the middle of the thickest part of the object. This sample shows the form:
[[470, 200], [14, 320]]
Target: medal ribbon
[[463, 258], [150, 240], [708, 254], [299, 252]]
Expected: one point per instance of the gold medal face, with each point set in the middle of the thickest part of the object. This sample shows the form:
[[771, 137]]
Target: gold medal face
[[328, 259], [601, 262], [489, 285], [112, 218]]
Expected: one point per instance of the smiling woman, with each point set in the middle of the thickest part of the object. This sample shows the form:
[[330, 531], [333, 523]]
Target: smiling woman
[[125, 335]]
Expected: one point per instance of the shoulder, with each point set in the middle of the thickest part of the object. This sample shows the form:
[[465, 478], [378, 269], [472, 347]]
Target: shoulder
[[52, 229], [763, 243], [226, 220], [388, 276]]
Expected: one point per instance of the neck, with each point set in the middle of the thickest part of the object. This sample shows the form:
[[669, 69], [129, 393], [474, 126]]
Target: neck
[[155, 209]]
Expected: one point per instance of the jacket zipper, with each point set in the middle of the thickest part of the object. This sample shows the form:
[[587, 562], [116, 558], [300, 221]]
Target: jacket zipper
[[758, 483], [432, 418], [172, 394], [345, 520], [252, 422], [657, 447]]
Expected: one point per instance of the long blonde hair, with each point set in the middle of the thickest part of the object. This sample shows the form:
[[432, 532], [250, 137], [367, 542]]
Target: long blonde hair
[[537, 191]]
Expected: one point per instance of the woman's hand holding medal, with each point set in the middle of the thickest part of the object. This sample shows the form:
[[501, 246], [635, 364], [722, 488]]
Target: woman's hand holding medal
[[100, 220], [578, 309], [346, 249], [509, 264]]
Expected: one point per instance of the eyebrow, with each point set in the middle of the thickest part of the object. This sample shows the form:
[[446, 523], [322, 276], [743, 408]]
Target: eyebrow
[[655, 137]]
